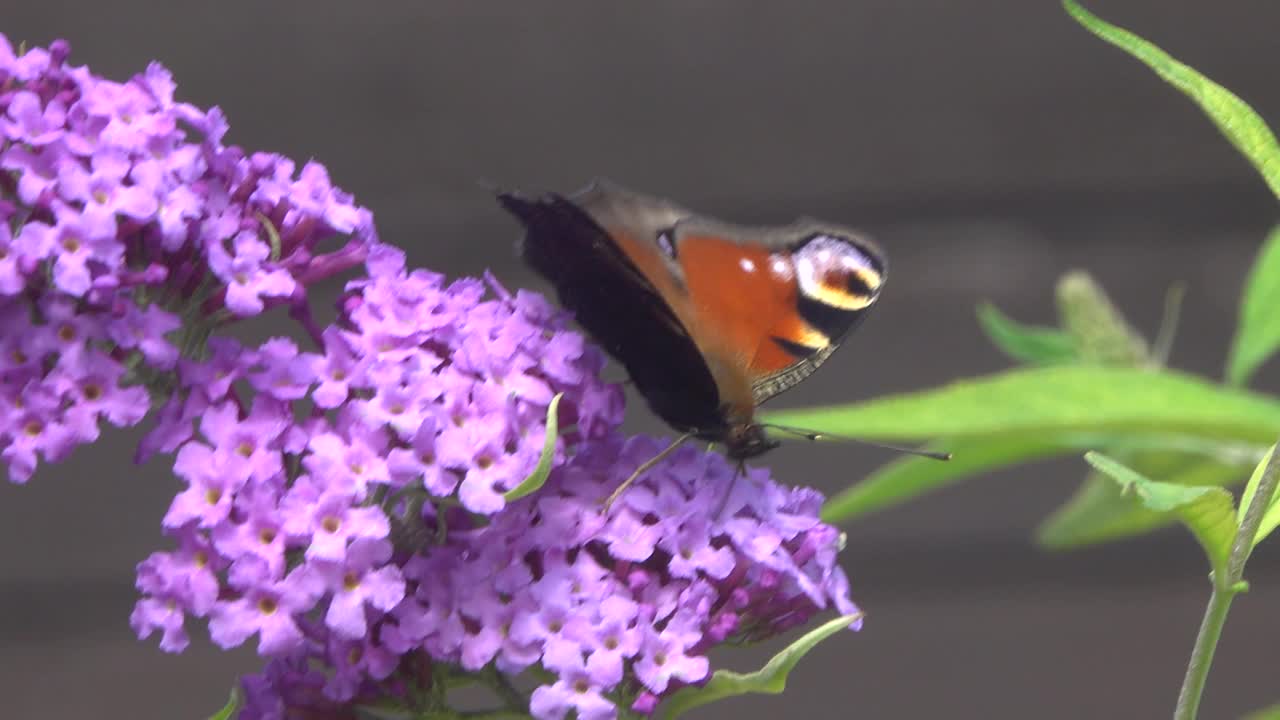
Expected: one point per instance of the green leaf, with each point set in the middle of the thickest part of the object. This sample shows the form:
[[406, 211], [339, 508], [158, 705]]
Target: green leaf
[[910, 476], [373, 712], [1206, 511], [1237, 121], [1043, 402], [1272, 516], [229, 710], [1258, 331], [1271, 712], [1168, 330], [539, 475], [1251, 487], [770, 679], [273, 236], [1026, 343], [1100, 512]]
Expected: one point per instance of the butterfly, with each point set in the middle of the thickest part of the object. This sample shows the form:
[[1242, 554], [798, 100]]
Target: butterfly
[[710, 319]]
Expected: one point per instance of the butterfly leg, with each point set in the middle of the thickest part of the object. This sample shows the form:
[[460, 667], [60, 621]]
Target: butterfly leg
[[644, 467], [728, 490]]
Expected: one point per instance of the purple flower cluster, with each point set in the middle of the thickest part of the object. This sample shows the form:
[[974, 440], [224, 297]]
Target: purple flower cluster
[[424, 394], [121, 211], [618, 608], [371, 532], [347, 506]]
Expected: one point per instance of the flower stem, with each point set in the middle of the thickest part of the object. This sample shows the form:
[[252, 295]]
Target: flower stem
[[1215, 616], [1227, 583], [515, 700]]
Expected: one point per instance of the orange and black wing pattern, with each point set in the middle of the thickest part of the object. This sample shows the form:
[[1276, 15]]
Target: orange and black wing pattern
[[765, 306], [710, 319]]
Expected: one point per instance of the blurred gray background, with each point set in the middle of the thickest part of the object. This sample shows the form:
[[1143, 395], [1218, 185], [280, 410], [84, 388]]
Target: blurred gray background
[[989, 145]]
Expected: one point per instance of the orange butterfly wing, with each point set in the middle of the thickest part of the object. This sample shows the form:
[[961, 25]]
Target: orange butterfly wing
[[764, 306]]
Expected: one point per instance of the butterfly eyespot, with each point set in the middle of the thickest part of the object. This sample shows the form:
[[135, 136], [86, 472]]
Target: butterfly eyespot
[[666, 243], [835, 271]]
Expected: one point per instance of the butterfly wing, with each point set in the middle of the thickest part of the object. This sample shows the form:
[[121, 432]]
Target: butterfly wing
[[620, 306], [819, 280], [710, 319], [764, 306]]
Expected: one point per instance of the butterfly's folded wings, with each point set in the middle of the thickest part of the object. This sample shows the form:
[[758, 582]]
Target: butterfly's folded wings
[[619, 307]]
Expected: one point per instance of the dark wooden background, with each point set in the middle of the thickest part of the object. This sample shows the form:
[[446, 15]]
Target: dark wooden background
[[989, 145]]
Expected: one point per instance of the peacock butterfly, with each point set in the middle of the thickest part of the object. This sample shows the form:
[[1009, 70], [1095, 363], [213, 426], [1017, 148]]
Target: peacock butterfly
[[710, 319]]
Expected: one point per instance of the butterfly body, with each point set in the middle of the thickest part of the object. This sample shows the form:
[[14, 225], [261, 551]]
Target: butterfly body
[[709, 318]]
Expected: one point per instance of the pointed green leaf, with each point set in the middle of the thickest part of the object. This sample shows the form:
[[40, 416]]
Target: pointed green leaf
[[1025, 343], [1206, 511], [1041, 402], [1237, 121], [540, 473], [1271, 712], [1212, 463], [373, 712], [1162, 346], [228, 711], [273, 236], [909, 476], [1101, 512], [1258, 330], [1251, 487], [770, 679], [1272, 516]]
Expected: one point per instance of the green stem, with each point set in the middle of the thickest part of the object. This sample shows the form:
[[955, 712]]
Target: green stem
[[495, 715], [1226, 585], [514, 699], [1215, 616]]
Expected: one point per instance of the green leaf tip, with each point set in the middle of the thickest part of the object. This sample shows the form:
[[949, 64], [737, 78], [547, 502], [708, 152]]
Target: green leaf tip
[[1035, 402], [909, 477], [373, 712], [1271, 516], [273, 236], [1271, 712], [1243, 127], [1258, 329], [770, 679], [1025, 343], [228, 711], [1103, 510], [539, 475], [1207, 511]]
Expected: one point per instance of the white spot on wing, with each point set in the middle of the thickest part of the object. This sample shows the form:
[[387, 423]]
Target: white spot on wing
[[664, 242], [804, 274], [747, 265], [780, 266]]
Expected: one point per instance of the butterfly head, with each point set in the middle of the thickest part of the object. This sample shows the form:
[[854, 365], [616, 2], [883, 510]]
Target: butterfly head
[[747, 440]]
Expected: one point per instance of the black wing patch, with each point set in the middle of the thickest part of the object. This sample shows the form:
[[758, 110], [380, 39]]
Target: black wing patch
[[619, 308]]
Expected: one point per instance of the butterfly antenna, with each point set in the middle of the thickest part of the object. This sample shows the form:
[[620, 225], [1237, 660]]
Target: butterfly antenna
[[644, 467], [815, 436]]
